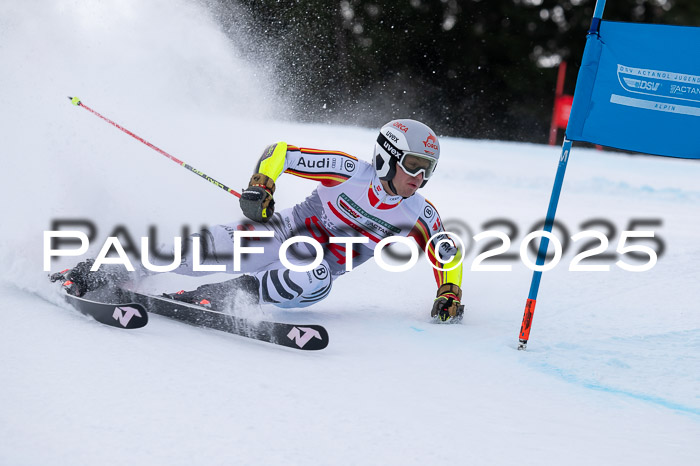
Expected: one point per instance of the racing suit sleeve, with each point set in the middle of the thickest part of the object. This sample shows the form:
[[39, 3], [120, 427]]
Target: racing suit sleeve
[[429, 225], [330, 168]]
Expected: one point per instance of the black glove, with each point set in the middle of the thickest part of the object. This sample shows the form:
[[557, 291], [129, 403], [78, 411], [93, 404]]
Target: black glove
[[256, 200], [447, 307], [80, 279]]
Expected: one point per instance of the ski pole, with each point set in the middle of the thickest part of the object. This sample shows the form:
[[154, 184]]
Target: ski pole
[[76, 101]]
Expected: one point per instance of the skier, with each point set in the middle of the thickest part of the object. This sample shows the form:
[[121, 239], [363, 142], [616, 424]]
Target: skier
[[356, 199]]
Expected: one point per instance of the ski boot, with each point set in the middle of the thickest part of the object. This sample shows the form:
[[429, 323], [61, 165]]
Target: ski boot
[[81, 280], [216, 296]]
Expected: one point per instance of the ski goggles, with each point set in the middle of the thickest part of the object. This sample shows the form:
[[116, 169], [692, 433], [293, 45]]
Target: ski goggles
[[414, 164]]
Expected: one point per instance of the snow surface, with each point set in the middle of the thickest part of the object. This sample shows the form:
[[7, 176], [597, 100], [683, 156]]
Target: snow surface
[[611, 375]]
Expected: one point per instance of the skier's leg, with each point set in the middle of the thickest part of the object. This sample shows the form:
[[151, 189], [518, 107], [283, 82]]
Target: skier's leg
[[279, 286], [216, 248], [269, 282], [288, 289]]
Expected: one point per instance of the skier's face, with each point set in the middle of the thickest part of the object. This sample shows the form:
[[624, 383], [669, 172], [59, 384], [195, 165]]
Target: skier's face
[[406, 185]]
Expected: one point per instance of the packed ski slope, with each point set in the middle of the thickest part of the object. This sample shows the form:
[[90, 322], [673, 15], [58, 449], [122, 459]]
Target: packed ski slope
[[611, 375]]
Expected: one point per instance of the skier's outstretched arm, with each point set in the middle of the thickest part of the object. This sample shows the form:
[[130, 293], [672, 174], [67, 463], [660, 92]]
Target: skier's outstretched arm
[[447, 305], [330, 168]]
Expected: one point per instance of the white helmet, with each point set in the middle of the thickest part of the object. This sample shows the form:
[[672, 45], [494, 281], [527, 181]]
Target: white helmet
[[409, 143]]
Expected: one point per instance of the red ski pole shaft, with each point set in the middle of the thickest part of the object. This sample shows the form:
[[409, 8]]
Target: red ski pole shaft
[[76, 101]]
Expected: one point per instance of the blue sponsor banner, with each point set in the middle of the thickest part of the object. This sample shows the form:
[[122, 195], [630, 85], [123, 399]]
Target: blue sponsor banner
[[639, 89]]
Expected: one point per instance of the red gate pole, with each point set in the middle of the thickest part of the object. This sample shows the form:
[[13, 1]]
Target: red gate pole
[[555, 109]]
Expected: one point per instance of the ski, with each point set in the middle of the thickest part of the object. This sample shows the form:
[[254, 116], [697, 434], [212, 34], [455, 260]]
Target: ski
[[297, 336], [127, 315]]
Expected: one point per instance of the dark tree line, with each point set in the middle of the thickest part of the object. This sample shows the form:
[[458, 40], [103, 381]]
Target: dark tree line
[[469, 68]]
